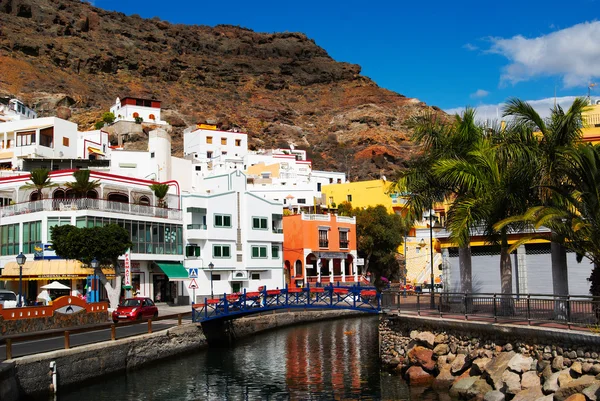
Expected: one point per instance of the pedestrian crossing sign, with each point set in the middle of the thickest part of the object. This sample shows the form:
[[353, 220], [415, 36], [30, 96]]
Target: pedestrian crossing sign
[[193, 285], [193, 273]]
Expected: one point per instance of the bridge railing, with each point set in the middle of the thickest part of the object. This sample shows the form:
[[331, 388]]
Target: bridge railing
[[361, 298], [567, 310]]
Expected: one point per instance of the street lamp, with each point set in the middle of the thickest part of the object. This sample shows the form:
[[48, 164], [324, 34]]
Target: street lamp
[[211, 267], [431, 229], [95, 292], [21, 259], [95, 264]]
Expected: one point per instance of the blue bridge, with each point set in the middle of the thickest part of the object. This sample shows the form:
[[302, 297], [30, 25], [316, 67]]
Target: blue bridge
[[231, 306]]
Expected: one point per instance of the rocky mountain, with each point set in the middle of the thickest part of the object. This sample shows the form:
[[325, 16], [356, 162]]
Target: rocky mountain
[[68, 58]]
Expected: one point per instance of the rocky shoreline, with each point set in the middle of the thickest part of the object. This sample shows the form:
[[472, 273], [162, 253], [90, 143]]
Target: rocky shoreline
[[469, 367]]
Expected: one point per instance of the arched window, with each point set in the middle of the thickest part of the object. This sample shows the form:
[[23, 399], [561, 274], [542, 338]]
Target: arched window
[[144, 200], [151, 116], [59, 194], [298, 268], [70, 194], [92, 194], [34, 196], [117, 197]]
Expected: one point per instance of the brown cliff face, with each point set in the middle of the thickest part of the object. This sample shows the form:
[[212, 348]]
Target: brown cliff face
[[280, 88]]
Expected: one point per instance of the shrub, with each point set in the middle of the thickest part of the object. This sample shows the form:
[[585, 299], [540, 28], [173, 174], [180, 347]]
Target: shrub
[[139, 120], [99, 125], [108, 117]]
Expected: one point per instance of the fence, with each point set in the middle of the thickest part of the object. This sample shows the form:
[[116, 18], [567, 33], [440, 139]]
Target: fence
[[566, 310]]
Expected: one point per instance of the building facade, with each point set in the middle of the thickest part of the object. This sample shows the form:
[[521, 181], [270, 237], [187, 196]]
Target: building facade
[[130, 109]]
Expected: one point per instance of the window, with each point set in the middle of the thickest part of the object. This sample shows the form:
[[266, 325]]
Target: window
[[301, 201], [223, 141], [25, 138], [331, 200], [215, 277], [349, 198], [209, 155], [224, 153], [57, 221], [259, 252], [255, 276], [10, 239], [209, 139], [192, 251], [323, 241], [274, 251], [238, 142], [32, 235], [221, 251], [152, 155], [259, 223], [223, 220], [65, 141], [344, 239], [198, 168], [318, 187]]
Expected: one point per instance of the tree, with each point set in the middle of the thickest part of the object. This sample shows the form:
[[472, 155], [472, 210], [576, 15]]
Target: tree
[[379, 234], [160, 191], [82, 184], [557, 134], [345, 209], [106, 244], [40, 180], [108, 117]]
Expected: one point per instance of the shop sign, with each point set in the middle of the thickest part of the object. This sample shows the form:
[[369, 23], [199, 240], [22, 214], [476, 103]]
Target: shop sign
[[127, 268]]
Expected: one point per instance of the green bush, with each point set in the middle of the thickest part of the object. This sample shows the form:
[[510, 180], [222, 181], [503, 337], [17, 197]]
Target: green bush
[[108, 117], [139, 120], [99, 125]]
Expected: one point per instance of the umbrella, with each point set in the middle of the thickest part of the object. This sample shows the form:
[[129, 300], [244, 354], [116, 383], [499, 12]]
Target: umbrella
[[55, 285], [44, 296]]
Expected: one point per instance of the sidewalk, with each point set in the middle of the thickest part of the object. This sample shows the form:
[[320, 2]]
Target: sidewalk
[[165, 309]]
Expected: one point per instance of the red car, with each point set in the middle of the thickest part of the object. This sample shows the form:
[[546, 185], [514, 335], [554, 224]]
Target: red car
[[135, 309]]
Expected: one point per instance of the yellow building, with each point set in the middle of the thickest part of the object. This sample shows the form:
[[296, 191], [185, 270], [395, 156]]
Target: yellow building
[[591, 122], [362, 194]]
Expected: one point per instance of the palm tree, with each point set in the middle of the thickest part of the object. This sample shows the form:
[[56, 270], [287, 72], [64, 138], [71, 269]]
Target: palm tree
[[40, 180], [160, 191], [557, 134], [82, 184]]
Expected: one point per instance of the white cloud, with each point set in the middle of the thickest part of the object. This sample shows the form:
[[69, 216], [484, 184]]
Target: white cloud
[[494, 111], [479, 93], [572, 53], [470, 47]]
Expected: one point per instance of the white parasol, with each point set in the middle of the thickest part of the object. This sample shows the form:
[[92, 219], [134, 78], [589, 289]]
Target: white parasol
[[55, 285]]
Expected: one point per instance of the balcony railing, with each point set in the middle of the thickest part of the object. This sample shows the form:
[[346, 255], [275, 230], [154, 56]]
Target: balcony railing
[[345, 219], [344, 244], [196, 226], [316, 217], [62, 205], [277, 230], [323, 243]]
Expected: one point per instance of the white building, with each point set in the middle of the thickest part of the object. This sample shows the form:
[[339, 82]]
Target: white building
[[130, 109], [93, 145], [15, 110], [215, 149]]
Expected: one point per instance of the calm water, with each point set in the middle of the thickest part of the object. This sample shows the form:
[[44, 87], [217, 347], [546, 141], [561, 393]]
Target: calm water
[[320, 361]]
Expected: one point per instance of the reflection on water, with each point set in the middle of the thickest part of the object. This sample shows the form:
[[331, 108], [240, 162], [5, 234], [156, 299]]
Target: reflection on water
[[320, 361]]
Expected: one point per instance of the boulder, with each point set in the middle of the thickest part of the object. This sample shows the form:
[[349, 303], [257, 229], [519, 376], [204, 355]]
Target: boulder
[[478, 366], [520, 363], [573, 387], [557, 363], [459, 364], [564, 377], [576, 397], [595, 369], [441, 349], [511, 382], [496, 367], [413, 334], [551, 383], [494, 396], [460, 387], [480, 387], [576, 369], [444, 379], [416, 376], [592, 392], [421, 356], [440, 338], [549, 397], [531, 394], [427, 338], [530, 380], [586, 367], [547, 372]]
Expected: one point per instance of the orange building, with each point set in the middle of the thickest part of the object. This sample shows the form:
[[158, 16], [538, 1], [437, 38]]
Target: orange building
[[319, 248]]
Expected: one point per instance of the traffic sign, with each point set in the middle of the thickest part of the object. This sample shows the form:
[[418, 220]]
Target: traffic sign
[[193, 273], [193, 285], [360, 261]]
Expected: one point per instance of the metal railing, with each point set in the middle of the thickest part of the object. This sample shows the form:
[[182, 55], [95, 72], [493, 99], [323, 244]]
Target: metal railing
[[565, 310], [61, 205], [196, 226]]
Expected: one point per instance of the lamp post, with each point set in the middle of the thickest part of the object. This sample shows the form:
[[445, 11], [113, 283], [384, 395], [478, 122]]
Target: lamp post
[[431, 229], [211, 266], [21, 259], [95, 297]]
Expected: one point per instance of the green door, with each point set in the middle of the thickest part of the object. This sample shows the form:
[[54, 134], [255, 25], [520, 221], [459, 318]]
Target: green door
[[236, 287]]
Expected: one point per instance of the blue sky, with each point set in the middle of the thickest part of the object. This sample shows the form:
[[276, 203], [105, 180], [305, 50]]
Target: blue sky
[[447, 54]]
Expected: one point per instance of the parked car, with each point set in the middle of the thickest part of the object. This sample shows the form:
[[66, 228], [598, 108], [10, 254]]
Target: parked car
[[8, 299], [135, 309]]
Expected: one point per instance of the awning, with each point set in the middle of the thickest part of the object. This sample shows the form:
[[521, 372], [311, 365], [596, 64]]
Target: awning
[[174, 270], [50, 269], [95, 151]]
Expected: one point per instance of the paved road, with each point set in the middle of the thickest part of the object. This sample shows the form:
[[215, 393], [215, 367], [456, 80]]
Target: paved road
[[56, 343]]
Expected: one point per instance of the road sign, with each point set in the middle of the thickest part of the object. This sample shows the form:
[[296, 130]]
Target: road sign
[[193, 284], [193, 273], [360, 261]]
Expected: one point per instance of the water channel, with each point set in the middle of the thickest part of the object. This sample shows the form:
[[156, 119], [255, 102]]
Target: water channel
[[319, 361]]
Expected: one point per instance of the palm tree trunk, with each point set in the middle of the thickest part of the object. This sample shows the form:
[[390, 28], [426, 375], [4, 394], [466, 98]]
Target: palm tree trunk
[[464, 261], [560, 278], [505, 276]]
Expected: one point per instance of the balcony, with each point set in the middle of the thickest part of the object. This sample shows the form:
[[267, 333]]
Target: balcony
[[277, 230], [345, 219], [196, 226], [102, 205], [197, 231], [323, 243], [343, 244], [316, 217]]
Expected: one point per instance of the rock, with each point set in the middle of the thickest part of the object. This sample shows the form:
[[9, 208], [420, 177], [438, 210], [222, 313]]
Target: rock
[[549, 397], [576, 369], [413, 334], [421, 356], [63, 112], [494, 369], [459, 364], [551, 383], [573, 387], [466, 373], [576, 397], [592, 392], [450, 357], [586, 367], [480, 387], [520, 363], [416, 376], [444, 379], [572, 355], [530, 380], [441, 349], [531, 394], [508, 347], [494, 396], [426, 338], [460, 387], [547, 372], [453, 347], [564, 377], [478, 366], [557, 363], [440, 338], [595, 369], [511, 382]]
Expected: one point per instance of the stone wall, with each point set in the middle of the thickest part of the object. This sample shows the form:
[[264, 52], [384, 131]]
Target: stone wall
[[474, 360], [57, 321]]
